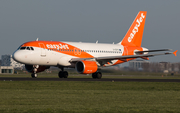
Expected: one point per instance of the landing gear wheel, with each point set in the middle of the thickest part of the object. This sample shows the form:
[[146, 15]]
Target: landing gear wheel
[[97, 75], [63, 74], [34, 75], [94, 75], [60, 74]]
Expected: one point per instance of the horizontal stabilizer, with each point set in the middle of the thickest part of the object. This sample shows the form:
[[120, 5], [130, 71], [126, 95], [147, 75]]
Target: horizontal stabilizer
[[153, 50]]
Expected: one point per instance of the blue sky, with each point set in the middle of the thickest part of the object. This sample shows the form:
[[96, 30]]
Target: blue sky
[[88, 21]]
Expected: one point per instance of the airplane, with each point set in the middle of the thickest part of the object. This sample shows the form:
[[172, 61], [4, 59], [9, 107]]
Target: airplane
[[86, 58]]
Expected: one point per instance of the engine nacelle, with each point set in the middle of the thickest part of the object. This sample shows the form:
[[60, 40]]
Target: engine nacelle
[[30, 68], [86, 67]]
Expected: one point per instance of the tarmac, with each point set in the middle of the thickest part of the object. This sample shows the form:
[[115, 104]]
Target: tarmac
[[87, 79]]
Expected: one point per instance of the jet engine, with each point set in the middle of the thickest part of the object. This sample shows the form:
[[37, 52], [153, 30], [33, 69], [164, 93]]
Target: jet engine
[[30, 68], [86, 67]]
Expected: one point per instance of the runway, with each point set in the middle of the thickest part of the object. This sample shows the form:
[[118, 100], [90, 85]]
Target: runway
[[87, 79]]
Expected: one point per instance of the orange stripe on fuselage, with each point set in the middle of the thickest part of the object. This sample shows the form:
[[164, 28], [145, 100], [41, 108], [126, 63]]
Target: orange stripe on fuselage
[[128, 51], [63, 47]]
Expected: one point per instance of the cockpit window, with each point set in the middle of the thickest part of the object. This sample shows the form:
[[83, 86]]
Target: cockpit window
[[32, 48], [26, 48], [22, 48], [19, 47]]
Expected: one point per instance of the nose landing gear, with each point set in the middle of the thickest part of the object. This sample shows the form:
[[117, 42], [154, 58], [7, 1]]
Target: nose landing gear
[[34, 74]]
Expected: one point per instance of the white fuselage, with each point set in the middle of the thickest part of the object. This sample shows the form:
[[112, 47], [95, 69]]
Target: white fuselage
[[53, 55]]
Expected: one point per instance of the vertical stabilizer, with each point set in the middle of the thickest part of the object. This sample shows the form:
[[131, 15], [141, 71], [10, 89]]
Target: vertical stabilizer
[[135, 33]]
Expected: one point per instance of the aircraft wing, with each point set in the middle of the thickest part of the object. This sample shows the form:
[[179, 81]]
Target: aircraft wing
[[143, 56]]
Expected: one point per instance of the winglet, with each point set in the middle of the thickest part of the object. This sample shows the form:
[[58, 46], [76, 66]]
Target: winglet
[[175, 53]]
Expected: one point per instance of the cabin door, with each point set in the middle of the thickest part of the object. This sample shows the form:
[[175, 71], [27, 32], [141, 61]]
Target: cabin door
[[43, 50]]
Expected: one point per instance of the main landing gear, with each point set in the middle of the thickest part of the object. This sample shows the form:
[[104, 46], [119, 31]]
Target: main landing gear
[[63, 74], [97, 75]]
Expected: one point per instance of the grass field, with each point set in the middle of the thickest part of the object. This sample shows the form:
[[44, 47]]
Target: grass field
[[80, 97]]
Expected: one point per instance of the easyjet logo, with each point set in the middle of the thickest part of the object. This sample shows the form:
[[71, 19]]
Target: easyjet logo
[[136, 27], [55, 46]]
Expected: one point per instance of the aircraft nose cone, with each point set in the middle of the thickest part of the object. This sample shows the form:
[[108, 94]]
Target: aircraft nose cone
[[16, 56]]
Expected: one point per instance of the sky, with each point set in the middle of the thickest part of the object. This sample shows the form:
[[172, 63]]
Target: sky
[[88, 21]]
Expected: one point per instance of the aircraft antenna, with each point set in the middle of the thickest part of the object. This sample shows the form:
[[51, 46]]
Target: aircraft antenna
[[96, 41], [37, 39]]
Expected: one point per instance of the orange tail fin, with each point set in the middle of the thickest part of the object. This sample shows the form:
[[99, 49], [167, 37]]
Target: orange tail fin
[[135, 33]]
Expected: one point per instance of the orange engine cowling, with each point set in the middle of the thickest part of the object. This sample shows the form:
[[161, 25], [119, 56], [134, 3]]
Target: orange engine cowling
[[30, 68], [86, 67]]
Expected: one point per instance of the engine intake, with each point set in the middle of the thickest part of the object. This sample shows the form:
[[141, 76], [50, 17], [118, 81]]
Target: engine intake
[[86, 67]]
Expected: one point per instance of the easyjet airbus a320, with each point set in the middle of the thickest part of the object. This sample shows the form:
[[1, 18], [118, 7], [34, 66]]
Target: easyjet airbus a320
[[86, 58]]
